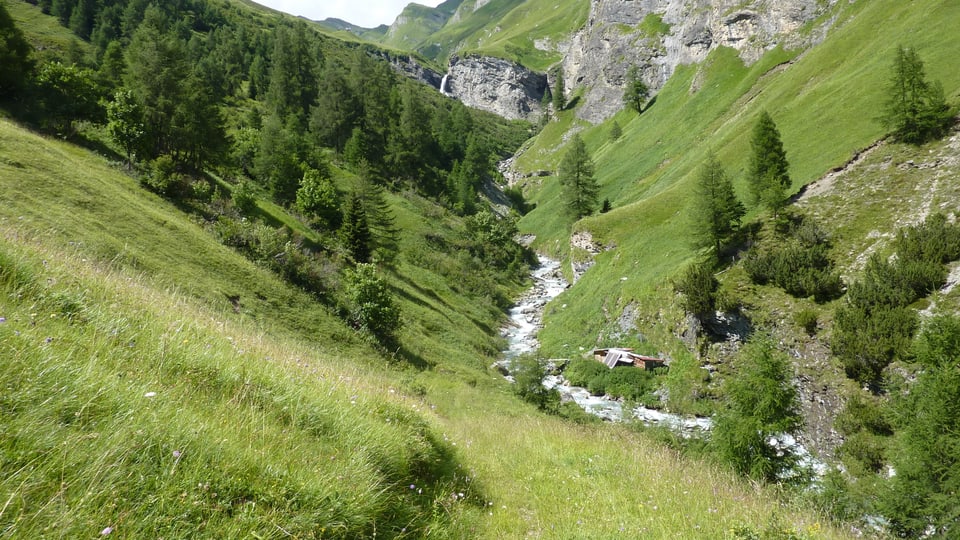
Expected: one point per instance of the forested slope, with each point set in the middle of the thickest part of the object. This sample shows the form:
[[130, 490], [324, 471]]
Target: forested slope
[[248, 289]]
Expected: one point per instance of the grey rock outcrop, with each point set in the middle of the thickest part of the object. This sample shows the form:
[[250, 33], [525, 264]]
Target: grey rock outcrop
[[496, 85], [659, 35], [409, 66]]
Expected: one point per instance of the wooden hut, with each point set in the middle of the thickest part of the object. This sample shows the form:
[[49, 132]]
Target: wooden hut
[[626, 357]]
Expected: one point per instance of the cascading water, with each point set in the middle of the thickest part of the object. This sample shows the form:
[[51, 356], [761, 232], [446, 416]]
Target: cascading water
[[444, 87]]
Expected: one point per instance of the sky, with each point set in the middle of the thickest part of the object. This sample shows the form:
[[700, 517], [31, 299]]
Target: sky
[[365, 13]]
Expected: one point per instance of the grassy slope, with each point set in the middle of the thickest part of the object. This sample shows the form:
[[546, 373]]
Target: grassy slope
[[823, 103], [285, 419], [282, 418], [418, 23], [508, 29]]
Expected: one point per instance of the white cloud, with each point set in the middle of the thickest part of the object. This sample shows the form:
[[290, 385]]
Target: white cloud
[[366, 13]]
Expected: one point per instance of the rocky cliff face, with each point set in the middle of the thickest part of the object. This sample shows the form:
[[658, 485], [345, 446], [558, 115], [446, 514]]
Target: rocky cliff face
[[496, 85], [409, 66], [659, 35]]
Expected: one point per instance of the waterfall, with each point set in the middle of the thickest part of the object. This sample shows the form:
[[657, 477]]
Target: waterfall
[[443, 85]]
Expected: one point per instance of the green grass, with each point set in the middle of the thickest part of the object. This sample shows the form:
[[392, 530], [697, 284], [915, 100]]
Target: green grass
[[824, 103], [283, 421], [509, 29], [44, 32]]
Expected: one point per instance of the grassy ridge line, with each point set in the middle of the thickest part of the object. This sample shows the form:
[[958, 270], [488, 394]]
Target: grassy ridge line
[[133, 408], [509, 29], [824, 103]]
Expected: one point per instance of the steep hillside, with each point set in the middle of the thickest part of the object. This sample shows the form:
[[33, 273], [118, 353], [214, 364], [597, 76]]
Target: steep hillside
[[417, 23], [648, 172], [113, 320], [195, 364]]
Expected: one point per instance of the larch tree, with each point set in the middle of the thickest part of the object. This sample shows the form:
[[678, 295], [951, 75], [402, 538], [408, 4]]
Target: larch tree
[[768, 174], [14, 55], [916, 109], [716, 209], [636, 92], [580, 189], [762, 404], [559, 92]]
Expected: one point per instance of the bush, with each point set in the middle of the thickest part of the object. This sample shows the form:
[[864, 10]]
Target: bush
[[372, 307], [876, 327], [698, 287], [243, 197], [164, 179], [581, 371], [528, 374], [799, 264], [806, 319], [629, 382]]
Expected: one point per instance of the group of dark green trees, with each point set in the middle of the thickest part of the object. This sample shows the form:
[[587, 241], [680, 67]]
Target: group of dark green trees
[[191, 90], [874, 327]]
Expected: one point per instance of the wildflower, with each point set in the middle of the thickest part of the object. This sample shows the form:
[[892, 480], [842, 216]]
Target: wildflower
[[48, 340], [3, 320], [150, 394], [106, 531], [177, 454]]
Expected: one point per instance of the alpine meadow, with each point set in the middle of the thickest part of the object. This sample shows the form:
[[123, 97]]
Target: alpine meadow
[[502, 269]]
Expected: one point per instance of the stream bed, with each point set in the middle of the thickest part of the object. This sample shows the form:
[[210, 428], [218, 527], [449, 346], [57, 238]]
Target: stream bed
[[526, 319]]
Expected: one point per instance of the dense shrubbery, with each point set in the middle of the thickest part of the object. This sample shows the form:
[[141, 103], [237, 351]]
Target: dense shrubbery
[[799, 263], [620, 382], [372, 307], [875, 326]]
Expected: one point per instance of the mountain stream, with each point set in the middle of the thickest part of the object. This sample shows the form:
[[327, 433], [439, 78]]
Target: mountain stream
[[526, 319]]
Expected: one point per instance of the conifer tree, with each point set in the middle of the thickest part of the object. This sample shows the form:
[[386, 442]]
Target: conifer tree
[[916, 110], [356, 231], [156, 70], [761, 404], [382, 224], [14, 55], [559, 92], [635, 92], [768, 174], [615, 131], [717, 211], [580, 189]]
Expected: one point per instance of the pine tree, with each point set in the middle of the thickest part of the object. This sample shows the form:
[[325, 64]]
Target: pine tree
[[916, 110], [14, 55], [356, 231], [559, 92], [717, 211], [635, 93], [580, 189], [768, 174], [761, 405]]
